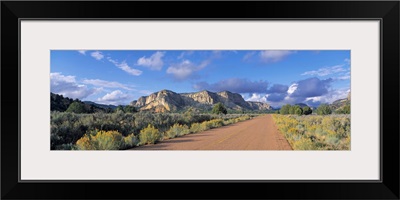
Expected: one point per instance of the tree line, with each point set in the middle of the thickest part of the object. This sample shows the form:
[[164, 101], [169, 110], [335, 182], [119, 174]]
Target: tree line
[[323, 109]]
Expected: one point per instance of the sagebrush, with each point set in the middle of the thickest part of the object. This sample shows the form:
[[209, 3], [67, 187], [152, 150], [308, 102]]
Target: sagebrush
[[329, 132]]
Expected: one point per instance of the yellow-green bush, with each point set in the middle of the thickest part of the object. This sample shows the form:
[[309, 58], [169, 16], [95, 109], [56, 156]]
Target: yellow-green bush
[[315, 132], [215, 123], [85, 143], [149, 135], [236, 120], [131, 141], [101, 140], [177, 130], [195, 127]]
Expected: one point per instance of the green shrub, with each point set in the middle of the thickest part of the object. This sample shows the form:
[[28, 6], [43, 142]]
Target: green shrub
[[76, 107], [195, 127], [307, 110], [131, 141], [215, 123], [229, 121], [324, 109], [298, 111], [330, 132], [66, 147], [303, 144], [205, 126], [219, 108], [176, 130], [149, 135], [343, 110], [66, 128], [285, 109]]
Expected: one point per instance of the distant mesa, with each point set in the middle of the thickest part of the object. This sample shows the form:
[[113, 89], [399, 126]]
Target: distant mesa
[[169, 101]]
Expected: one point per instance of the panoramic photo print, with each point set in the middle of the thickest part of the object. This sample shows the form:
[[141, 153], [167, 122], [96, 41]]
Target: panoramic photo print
[[200, 100]]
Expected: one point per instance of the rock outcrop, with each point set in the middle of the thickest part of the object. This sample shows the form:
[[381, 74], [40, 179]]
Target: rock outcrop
[[166, 100], [341, 102]]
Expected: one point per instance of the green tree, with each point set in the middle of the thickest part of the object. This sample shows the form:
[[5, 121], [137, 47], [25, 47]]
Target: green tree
[[291, 110], [120, 108], [324, 109], [76, 107], [306, 110], [298, 110], [285, 109], [219, 108], [130, 109]]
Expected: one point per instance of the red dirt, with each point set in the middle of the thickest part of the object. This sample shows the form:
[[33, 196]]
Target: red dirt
[[259, 133]]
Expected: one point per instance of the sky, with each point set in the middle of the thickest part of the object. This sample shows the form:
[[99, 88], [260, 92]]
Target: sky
[[276, 77]]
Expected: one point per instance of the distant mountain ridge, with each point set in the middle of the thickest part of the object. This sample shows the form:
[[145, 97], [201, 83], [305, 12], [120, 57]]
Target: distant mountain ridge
[[167, 100], [100, 105]]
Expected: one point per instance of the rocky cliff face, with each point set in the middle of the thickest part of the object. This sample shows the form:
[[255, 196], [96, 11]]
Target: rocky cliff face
[[341, 102], [259, 105], [203, 97], [166, 100]]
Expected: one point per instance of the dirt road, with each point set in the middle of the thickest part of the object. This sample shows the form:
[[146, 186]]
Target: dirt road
[[259, 133]]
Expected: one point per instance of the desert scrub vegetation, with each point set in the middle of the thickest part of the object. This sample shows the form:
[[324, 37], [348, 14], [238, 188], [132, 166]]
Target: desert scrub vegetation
[[66, 128], [150, 135], [237, 119], [105, 140], [329, 132], [176, 130]]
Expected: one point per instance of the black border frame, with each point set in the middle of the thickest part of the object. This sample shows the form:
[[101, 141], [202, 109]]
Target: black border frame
[[385, 11]]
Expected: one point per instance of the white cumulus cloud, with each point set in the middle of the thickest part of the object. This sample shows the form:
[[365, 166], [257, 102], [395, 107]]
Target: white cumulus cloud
[[68, 87], [257, 97], [116, 97], [292, 88], [186, 69], [154, 62], [83, 52], [330, 97]]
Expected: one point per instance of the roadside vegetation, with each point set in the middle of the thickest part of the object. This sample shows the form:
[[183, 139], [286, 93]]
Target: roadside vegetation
[[315, 132], [322, 128], [121, 130], [323, 109]]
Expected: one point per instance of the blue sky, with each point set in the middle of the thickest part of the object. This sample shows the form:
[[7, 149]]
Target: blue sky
[[276, 77]]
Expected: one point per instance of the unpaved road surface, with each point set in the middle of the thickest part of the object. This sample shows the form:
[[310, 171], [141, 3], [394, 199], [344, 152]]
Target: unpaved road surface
[[259, 133]]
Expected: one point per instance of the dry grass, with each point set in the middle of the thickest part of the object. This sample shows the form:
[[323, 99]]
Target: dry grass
[[330, 132]]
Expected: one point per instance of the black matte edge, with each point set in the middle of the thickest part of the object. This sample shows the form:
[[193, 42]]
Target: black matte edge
[[395, 100]]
